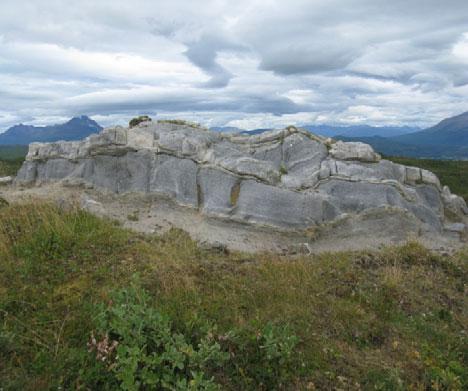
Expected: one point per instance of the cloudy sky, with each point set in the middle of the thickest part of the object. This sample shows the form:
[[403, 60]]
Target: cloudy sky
[[234, 63]]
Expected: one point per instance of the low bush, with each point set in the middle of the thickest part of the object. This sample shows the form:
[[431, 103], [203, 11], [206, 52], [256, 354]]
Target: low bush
[[136, 346], [138, 120]]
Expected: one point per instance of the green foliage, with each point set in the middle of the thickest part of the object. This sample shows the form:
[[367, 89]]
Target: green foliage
[[283, 169], [264, 358], [143, 350], [138, 120]]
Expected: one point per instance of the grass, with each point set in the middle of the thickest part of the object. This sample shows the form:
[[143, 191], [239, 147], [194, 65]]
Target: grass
[[389, 320], [453, 173]]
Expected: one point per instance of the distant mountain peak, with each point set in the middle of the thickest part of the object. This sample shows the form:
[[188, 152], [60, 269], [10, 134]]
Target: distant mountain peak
[[76, 128]]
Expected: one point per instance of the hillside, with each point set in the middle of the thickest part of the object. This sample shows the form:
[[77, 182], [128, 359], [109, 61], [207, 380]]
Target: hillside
[[453, 173], [446, 140], [451, 132], [361, 130], [70, 302], [394, 147], [75, 129]]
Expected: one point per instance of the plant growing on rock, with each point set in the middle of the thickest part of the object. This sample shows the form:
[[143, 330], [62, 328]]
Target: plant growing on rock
[[138, 120]]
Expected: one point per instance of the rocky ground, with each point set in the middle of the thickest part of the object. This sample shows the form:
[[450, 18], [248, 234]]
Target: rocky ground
[[157, 214]]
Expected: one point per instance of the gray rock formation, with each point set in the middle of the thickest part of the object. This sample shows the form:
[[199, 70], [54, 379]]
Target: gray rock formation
[[286, 179]]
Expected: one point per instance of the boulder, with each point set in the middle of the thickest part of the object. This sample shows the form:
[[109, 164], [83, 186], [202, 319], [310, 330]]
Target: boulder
[[286, 179], [354, 151]]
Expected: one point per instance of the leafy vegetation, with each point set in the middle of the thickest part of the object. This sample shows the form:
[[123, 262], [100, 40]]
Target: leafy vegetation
[[453, 173], [74, 316]]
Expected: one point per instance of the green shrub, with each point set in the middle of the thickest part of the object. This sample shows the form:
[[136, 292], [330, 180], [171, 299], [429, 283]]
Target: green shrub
[[138, 347], [138, 120], [142, 349]]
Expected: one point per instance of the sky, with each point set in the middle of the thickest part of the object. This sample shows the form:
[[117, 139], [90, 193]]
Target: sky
[[240, 63]]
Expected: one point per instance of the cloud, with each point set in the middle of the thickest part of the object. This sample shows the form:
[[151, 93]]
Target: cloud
[[203, 54], [250, 62]]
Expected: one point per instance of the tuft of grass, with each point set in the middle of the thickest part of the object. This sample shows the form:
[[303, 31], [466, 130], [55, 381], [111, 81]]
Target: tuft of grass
[[134, 216], [235, 192], [283, 169], [391, 319]]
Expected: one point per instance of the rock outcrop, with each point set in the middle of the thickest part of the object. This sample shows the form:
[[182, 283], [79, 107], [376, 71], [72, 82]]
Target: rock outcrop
[[286, 179]]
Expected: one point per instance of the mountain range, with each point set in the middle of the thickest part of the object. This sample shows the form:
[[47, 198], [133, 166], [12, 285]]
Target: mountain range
[[75, 129], [446, 140], [332, 131], [361, 130]]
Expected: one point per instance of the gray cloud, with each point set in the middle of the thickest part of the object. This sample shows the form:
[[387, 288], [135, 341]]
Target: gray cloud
[[260, 63], [203, 54]]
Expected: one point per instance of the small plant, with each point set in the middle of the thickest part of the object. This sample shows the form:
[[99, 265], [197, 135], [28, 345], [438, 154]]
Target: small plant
[[138, 120], [133, 216], [283, 169]]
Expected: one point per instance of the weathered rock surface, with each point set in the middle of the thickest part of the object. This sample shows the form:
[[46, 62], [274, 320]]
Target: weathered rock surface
[[285, 179]]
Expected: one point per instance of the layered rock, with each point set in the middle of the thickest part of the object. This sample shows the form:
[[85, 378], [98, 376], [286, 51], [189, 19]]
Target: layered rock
[[286, 179]]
